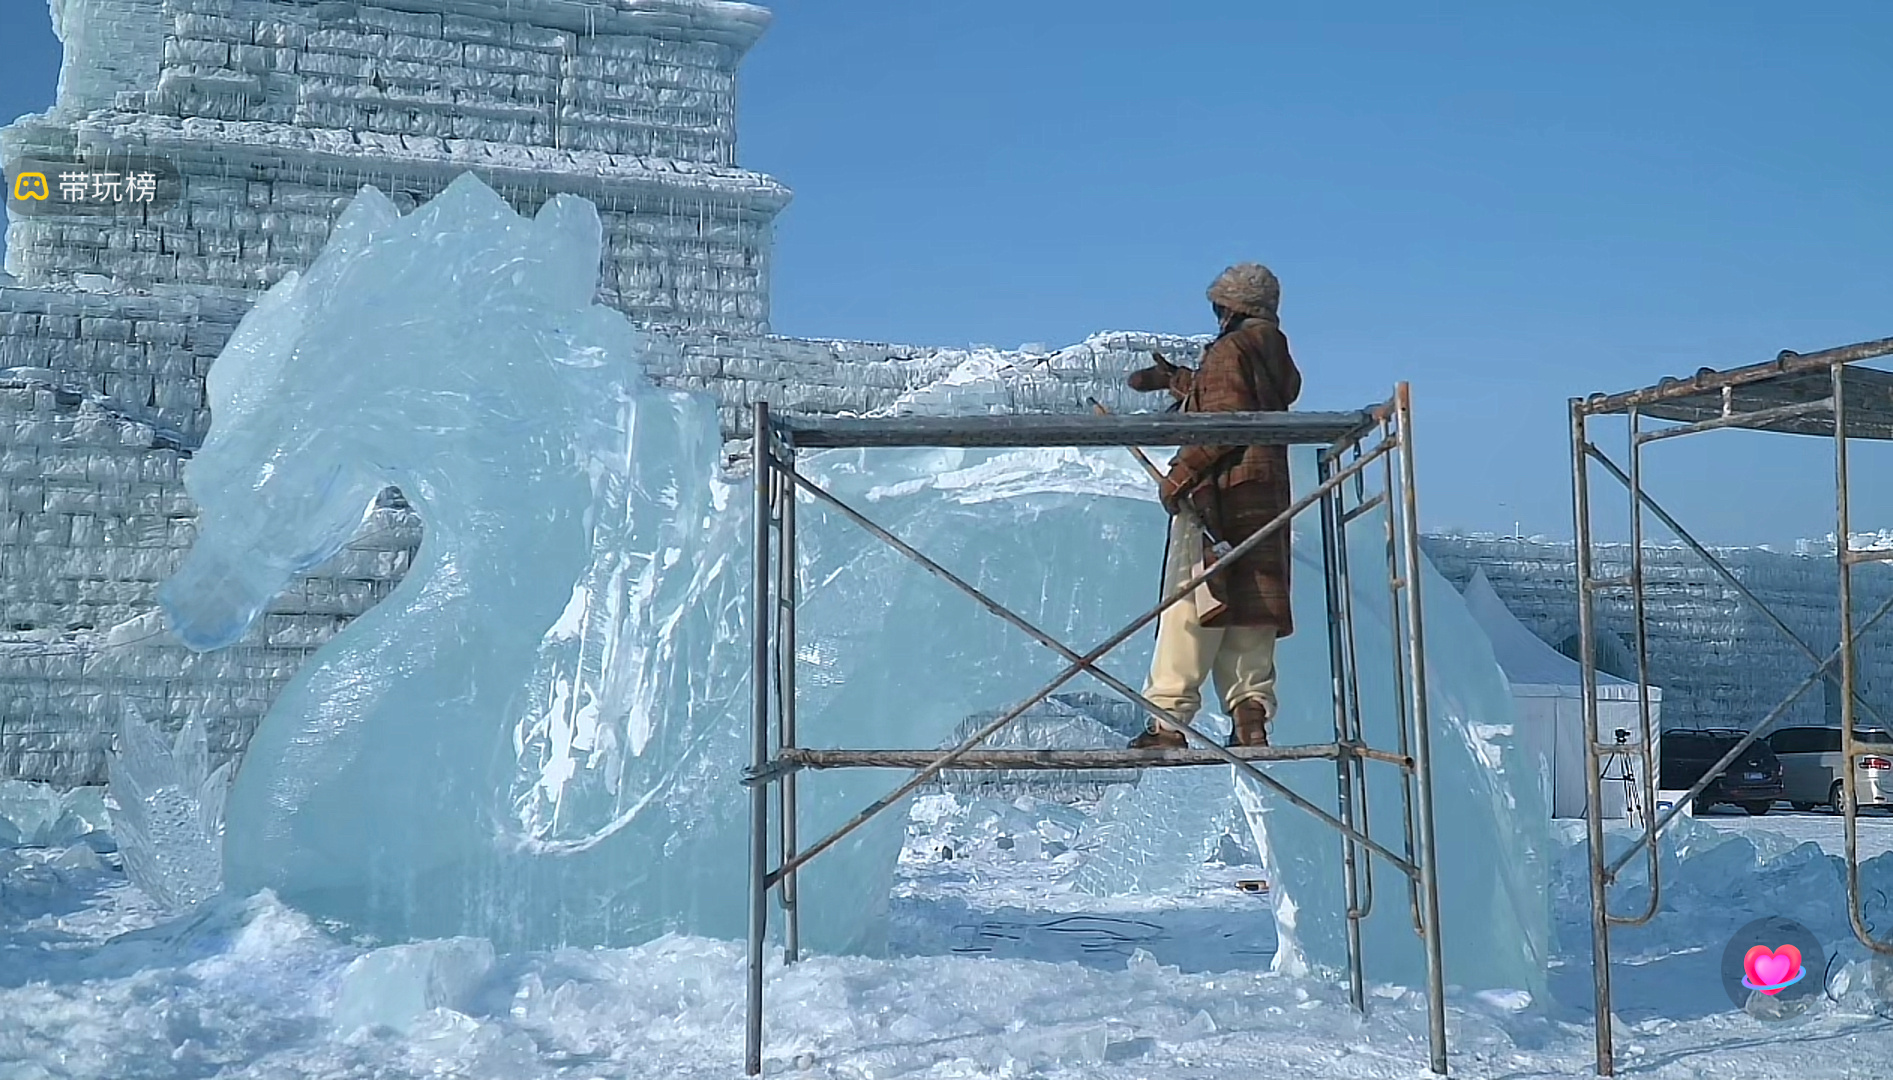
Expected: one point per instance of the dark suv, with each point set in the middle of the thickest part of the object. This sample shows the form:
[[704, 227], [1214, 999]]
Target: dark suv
[[1752, 781]]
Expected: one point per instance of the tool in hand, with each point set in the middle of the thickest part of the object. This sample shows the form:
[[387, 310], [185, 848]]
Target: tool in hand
[[1207, 606]]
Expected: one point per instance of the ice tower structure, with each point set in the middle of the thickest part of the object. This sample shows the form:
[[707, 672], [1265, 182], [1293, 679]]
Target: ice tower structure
[[257, 121]]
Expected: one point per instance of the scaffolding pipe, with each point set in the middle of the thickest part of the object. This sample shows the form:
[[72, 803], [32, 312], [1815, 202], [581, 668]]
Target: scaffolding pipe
[[762, 464], [1396, 591], [1640, 609], [1047, 760], [1593, 776], [1422, 737], [788, 595], [1850, 779], [1344, 779], [1350, 645]]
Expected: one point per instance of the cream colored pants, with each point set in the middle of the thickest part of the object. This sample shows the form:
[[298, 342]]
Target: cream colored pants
[[1242, 658]]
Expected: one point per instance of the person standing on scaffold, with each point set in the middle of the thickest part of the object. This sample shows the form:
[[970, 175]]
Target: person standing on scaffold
[[1228, 492]]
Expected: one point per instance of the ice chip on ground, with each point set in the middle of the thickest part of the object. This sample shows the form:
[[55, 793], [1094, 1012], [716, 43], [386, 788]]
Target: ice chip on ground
[[397, 986], [27, 812], [33, 814], [80, 858], [167, 807]]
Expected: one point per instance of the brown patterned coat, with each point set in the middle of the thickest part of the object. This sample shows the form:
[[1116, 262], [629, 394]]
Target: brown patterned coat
[[1239, 489]]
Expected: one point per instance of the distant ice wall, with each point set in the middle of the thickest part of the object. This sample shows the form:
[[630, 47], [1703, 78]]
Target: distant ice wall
[[1719, 661]]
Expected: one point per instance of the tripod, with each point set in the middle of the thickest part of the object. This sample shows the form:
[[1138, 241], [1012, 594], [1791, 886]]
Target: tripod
[[1620, 760]]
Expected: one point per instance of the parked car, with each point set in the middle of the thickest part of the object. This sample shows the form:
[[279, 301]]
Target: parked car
[[1752, 781], [1811, 764]]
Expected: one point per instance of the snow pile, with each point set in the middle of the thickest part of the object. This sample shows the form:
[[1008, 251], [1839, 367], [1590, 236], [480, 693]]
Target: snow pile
[[249, 987]]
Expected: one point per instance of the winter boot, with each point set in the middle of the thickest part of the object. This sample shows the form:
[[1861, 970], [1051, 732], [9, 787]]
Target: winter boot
[[1157, 737], [1250, 724]]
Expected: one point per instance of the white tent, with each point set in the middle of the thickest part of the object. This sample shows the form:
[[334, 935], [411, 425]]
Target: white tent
[[1548, 689]]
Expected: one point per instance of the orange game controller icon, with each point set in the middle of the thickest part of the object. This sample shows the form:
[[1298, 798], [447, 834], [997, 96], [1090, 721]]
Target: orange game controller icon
[[30, 185]]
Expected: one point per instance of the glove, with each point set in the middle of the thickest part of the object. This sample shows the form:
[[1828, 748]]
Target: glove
[[1160, 375]]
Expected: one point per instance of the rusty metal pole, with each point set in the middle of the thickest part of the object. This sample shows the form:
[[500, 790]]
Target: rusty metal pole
[[1638, 597], [1332, 535], [1422, 738], [1849, 747], [1593, 783], [761, 472], [788, 593]]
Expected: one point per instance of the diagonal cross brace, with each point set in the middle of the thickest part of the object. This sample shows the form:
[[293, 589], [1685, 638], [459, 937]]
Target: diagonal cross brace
[[1088, 663], [1645, 837]]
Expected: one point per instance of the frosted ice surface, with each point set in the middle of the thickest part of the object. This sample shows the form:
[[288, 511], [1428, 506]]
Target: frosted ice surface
[[1154, 837], [1061, 722], [167, 810], [27, 812], [1492, 824]]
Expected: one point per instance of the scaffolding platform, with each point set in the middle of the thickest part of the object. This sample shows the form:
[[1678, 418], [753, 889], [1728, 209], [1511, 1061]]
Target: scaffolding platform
[[1352, 444], [1825, 394]]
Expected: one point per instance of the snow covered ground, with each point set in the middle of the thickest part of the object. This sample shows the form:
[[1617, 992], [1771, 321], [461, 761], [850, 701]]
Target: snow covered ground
[[1000, 971]]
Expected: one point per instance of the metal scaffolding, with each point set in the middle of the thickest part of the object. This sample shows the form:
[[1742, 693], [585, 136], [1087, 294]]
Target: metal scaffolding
[[1351, 442], [1821, 394]]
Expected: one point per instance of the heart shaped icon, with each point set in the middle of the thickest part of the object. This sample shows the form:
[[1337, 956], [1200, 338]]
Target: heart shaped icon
[[1771, 970]]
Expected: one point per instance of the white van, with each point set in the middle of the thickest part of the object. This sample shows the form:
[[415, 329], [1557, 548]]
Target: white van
[[1810, 767]]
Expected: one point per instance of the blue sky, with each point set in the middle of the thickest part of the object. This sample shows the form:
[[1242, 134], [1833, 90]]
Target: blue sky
[[1506, 206]]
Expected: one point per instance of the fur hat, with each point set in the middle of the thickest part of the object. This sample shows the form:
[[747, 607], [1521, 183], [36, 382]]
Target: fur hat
[[1247, 289]]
